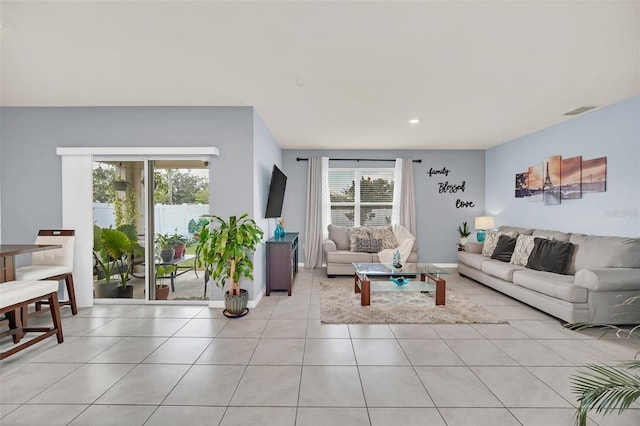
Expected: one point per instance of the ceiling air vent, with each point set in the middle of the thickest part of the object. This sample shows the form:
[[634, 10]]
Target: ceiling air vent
[[580, 110]]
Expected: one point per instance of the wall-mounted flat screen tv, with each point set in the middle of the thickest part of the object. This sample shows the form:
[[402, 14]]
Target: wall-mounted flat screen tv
[[276, 193]]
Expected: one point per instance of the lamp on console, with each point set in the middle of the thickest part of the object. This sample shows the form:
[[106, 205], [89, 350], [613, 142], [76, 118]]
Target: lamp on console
[[482, 224]]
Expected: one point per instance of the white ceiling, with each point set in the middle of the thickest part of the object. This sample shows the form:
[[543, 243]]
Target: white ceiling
[[341, 74]]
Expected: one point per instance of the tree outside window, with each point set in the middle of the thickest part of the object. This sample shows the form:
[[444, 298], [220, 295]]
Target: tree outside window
[[361, 197]]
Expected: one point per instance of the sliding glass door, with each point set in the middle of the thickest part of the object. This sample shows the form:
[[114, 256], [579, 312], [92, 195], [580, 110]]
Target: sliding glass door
[[147, 215]]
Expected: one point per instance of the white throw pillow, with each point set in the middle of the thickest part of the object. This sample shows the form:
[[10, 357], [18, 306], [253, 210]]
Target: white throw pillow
[[523, 249], [521, 253]]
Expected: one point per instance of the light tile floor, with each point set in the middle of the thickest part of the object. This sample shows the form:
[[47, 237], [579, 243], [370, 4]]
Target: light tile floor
[[189, 365]]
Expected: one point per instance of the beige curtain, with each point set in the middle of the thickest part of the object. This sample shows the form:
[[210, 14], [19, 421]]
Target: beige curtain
[[404, 202], [317, 203]]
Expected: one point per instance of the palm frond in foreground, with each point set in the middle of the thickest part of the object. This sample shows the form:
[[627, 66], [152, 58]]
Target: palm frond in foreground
[[606, 389]]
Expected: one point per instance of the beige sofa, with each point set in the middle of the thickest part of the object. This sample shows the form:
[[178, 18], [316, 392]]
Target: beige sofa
[[339, 257], [602, 274]]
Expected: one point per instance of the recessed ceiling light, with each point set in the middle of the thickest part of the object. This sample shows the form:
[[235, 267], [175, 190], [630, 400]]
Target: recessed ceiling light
[[414, 121]]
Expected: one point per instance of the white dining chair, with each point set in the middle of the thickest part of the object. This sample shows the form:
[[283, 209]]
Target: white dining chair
[[55, 264]]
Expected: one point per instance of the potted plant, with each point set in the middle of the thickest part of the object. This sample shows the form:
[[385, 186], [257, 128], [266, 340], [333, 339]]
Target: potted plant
[[165, 246], [224, 250], [113, 251], [464, 233], [162, 289], [178, 243]]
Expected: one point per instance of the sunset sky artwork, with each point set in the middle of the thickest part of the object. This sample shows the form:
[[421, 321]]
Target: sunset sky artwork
[[594, 175], [571, 178], [535, 177]]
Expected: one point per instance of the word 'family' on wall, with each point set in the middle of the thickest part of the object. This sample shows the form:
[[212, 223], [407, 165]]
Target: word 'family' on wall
[[559, 178], [450, 188]]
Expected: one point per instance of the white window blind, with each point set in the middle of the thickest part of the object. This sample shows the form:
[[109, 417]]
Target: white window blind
[[361, 197]]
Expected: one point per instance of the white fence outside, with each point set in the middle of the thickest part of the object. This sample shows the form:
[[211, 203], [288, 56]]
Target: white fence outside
[[169, 219]]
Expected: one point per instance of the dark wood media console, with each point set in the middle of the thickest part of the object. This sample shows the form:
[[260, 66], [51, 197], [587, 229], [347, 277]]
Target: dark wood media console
[[282, 262]]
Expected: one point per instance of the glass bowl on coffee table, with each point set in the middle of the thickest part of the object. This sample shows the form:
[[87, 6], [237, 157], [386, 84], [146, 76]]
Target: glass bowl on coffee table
[[370, 277]]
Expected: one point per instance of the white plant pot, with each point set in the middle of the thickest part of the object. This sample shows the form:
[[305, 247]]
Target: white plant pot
[[463, 241]]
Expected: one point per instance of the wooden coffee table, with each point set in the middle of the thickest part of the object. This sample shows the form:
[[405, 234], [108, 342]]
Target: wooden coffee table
[[375, 277]]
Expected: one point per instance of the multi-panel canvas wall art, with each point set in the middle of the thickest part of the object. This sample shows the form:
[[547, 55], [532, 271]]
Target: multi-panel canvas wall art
[[571, 178], [522, 184], [551, 184], [560, 178], [594, 175], [535, 183]]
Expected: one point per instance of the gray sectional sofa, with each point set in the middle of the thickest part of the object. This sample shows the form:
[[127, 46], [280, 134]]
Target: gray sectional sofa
[[603, 273], [339, 258]]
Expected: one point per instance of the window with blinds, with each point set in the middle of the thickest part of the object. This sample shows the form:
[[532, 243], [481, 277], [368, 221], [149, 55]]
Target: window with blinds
[[361, 197]]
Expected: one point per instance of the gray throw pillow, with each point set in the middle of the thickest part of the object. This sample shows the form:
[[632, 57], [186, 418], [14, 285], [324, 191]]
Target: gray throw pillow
[[365, 245], [504, 248], [551, 256]]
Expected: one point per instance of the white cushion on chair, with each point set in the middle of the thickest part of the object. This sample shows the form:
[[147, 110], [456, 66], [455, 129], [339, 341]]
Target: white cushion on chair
[[40, 272], [13, 292], [60, 256]]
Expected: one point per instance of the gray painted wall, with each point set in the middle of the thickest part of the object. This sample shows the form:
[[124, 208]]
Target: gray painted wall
[[266, 154], [612, 132], [30, 174], [437, 215], [30, 169]]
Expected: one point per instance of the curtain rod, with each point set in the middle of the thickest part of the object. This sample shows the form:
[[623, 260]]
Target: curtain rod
[[357, 159]]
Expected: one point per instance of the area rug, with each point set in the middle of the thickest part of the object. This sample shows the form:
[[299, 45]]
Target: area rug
[[339, 304]]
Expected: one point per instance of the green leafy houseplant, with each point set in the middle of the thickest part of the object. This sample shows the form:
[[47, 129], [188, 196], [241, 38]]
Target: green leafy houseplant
[[114, 250], [178, 242], [165, 247], [225, 247], [603, 388], [464, 230], [162, 289], [177, 239]]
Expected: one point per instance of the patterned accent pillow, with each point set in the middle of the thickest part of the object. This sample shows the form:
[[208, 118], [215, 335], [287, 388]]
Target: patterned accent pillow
[[521, 253], [385, 235], [355, 233], [367, 246], [491, 241], [376, 245]]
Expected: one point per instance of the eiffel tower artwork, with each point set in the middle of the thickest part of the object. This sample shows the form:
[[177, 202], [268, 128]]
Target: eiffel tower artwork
[[551, 187]]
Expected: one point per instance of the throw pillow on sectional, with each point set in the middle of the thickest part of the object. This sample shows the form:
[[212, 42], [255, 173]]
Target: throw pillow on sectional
[[504, 248], [522, 250], [551, 256], [491, 240]]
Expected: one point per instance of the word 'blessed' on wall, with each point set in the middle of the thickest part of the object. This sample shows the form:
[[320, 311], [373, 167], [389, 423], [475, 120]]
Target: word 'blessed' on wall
[[447, 187]]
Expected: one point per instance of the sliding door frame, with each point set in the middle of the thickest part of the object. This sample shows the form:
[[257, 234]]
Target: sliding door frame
[[77, 201]]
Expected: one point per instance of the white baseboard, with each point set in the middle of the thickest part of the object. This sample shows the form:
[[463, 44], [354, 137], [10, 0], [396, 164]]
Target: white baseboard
[[445, 265]]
